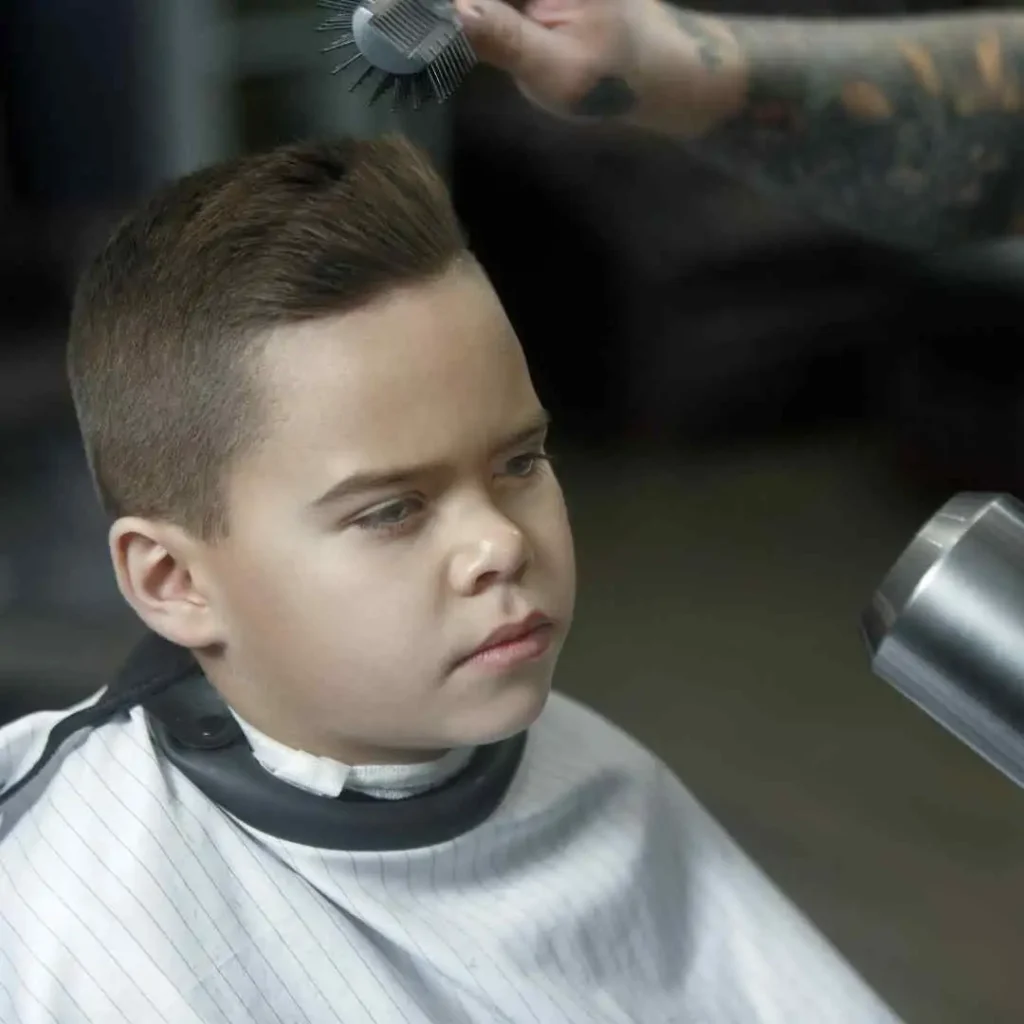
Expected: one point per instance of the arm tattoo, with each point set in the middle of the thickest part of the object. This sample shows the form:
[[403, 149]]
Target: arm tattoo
[[610, 96], [908, 130], [700, 29]]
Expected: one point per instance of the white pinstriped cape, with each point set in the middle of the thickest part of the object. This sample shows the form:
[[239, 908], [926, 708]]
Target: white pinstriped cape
[[599, 892]]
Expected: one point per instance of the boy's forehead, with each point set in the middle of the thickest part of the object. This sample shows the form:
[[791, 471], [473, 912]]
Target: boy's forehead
[[404, 378]]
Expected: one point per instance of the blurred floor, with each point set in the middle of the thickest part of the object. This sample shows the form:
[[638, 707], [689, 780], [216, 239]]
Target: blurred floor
[[717, 620]]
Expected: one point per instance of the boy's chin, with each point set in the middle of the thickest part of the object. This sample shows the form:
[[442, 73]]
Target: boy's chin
[[507, 713]]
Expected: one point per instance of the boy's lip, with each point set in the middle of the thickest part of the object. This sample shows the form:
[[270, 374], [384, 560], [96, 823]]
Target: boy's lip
[[509, 633]]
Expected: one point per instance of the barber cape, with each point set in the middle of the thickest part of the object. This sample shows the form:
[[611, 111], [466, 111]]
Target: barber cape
[[596, 890]]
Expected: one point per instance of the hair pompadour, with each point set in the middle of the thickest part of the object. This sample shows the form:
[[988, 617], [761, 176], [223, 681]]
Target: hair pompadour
[[168, 318]]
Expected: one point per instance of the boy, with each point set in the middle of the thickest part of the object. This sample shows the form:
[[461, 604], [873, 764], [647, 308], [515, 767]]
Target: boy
[[316, 436]]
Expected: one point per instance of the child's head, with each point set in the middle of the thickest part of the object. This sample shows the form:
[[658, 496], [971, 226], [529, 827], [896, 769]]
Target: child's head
[[315, 430]]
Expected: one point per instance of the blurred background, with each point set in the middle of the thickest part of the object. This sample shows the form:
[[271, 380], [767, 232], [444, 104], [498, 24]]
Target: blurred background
[[754, 415]]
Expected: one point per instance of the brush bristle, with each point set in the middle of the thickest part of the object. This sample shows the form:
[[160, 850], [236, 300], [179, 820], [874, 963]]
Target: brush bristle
[[342, 18], [407, 24], [450, 66], [414, 31]]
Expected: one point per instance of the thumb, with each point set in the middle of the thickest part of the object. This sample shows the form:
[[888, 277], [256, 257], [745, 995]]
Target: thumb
[[502, 36]]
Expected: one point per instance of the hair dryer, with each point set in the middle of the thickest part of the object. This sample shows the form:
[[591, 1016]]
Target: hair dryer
[[946, 626]]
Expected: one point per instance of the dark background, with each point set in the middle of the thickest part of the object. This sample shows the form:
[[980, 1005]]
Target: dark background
[[755, 413]]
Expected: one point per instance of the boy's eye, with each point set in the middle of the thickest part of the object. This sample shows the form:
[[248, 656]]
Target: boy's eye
[[526, 464], [393, 515]]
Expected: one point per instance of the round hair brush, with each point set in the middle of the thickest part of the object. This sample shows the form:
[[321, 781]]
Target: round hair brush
[[414, 49]]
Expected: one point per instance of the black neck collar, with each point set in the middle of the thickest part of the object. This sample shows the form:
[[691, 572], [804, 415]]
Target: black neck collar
[[195, 731]]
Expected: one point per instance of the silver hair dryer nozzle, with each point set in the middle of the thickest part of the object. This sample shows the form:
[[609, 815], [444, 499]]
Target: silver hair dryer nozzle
[[946, 626]]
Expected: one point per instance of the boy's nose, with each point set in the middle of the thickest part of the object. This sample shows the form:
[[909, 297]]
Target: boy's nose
[[497, 555]]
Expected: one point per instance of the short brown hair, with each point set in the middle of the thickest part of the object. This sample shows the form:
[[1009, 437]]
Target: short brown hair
[[168, 317]]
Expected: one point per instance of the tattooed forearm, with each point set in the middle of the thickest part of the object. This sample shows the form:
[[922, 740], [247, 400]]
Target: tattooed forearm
[[610, 96], [710, 36], [910, 130]]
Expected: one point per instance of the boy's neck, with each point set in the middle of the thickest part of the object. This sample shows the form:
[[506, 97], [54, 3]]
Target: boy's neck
[[329, 776], [270, 718]]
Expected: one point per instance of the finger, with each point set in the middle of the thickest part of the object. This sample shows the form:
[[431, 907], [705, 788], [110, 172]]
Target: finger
[[509, 40]]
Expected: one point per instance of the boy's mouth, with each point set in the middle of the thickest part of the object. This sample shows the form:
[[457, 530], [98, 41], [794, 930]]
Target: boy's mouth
[[513, 643]]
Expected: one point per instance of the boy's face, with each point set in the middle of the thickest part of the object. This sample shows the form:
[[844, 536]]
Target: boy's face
[[399, 513]]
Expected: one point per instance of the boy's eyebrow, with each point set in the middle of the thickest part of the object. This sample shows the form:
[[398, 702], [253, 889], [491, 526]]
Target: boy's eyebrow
[[537, 426], [359, 483]]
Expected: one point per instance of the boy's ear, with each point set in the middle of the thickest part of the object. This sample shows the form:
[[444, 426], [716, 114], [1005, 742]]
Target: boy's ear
[[161, 572]]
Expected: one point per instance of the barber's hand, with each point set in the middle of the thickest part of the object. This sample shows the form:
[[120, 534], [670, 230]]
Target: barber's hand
[[627, 59], [573, 57]]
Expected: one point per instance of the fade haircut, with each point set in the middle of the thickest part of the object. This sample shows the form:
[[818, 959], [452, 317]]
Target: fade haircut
[[169, 319]]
